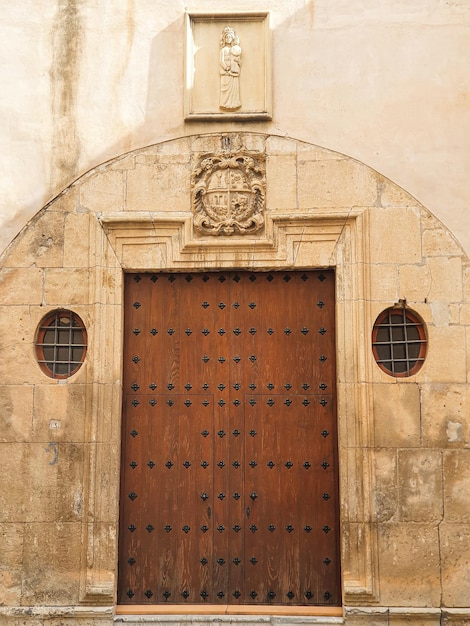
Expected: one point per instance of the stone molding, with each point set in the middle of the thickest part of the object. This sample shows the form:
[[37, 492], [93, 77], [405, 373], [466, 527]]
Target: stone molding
[[154, 241]]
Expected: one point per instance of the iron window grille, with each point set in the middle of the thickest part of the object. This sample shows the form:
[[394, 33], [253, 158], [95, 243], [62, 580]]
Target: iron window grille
[[61, 344], [399, 342]]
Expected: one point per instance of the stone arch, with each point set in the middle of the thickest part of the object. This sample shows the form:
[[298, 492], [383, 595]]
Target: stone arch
[[323, 209]]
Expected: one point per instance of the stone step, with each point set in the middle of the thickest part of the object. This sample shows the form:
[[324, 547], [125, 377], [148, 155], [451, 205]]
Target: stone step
[[226, 620]]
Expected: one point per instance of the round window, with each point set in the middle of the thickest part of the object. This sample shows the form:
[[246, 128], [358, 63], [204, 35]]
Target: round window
[[61, 344], [399, 342]]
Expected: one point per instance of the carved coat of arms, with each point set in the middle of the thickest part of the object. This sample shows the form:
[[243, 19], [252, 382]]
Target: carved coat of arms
[[228, 191]]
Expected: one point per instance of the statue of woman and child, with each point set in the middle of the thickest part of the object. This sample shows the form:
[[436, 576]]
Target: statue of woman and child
[[229, 60]]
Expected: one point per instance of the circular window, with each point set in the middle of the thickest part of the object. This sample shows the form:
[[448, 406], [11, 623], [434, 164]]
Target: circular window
[[61, 344], [399, 342]]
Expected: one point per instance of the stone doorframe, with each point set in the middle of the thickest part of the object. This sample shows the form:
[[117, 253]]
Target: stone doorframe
[[165, 241]]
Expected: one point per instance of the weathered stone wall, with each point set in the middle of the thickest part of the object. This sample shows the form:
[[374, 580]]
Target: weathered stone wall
[[404, 443]]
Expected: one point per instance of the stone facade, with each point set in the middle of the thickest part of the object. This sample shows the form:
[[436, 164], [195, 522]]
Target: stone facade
[[403, 442]]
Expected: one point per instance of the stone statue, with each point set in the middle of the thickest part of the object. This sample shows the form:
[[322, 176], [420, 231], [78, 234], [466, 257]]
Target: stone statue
[[229, 60]]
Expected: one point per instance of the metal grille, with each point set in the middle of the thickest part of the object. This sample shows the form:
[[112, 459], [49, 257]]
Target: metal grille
[[399, 342], [61, 344]]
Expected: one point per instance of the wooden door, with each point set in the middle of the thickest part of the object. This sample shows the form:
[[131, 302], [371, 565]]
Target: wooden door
[[229, 486]]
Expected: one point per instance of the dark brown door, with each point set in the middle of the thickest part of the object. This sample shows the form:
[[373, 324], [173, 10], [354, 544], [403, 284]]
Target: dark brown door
[[229, 490]]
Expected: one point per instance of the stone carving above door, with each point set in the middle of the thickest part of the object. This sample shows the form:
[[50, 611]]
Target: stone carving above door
[[228, 190], [222, 82]]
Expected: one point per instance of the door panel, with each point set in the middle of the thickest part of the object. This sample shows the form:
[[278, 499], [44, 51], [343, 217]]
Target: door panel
[[229, 474]]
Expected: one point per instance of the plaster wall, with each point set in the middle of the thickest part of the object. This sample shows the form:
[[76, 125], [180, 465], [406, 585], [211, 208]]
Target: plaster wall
[[386, 82]]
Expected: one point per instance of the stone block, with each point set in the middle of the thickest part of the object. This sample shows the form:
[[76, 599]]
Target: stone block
[[440, 313], [104, 403], [13, 487], [51, 564], [318, 184], [396, 415], [104, 465], [101, 540], [11, 553], [204, 143], [159, 187], [19, 286], [346, 354], [440, 242], [126, 162], [103, 191], [383, 282], [456, 486], [40, 482], [455, 555], [446, 360], [395, 236], [414, 282], [359, 559], [409, 564], [77, 240], [466, 281], [257, 143], [39, 469], [40, 244], [464, 314], [313, 253], [420, 485], [16, 402], [349, 435], [152, 255], [281, 146], [281, 185], [69, 495], [18, 365], [178, 149], [354, 503], [454, 314], [103, 364], [393, 196], [385, 491], [444, 415], [310, 152], [78, 620], [67, 287], [390, 616], [446, 279], [60, 412], [360, 617]]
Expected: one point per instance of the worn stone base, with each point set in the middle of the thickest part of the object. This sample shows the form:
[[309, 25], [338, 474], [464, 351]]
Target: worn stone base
[[353, 616], [56, 616], [223, 620], [399, 616]]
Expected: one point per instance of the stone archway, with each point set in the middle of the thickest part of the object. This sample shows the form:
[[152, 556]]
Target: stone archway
[[322, 210]]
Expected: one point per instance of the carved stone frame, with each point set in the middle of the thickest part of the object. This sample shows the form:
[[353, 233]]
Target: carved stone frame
[[165, 242], [201, 66]]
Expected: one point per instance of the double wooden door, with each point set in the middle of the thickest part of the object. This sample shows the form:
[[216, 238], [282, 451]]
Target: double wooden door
[[229, 487]]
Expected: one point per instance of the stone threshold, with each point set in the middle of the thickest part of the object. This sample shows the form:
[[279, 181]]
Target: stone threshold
[[356, 614], [228, 618]]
